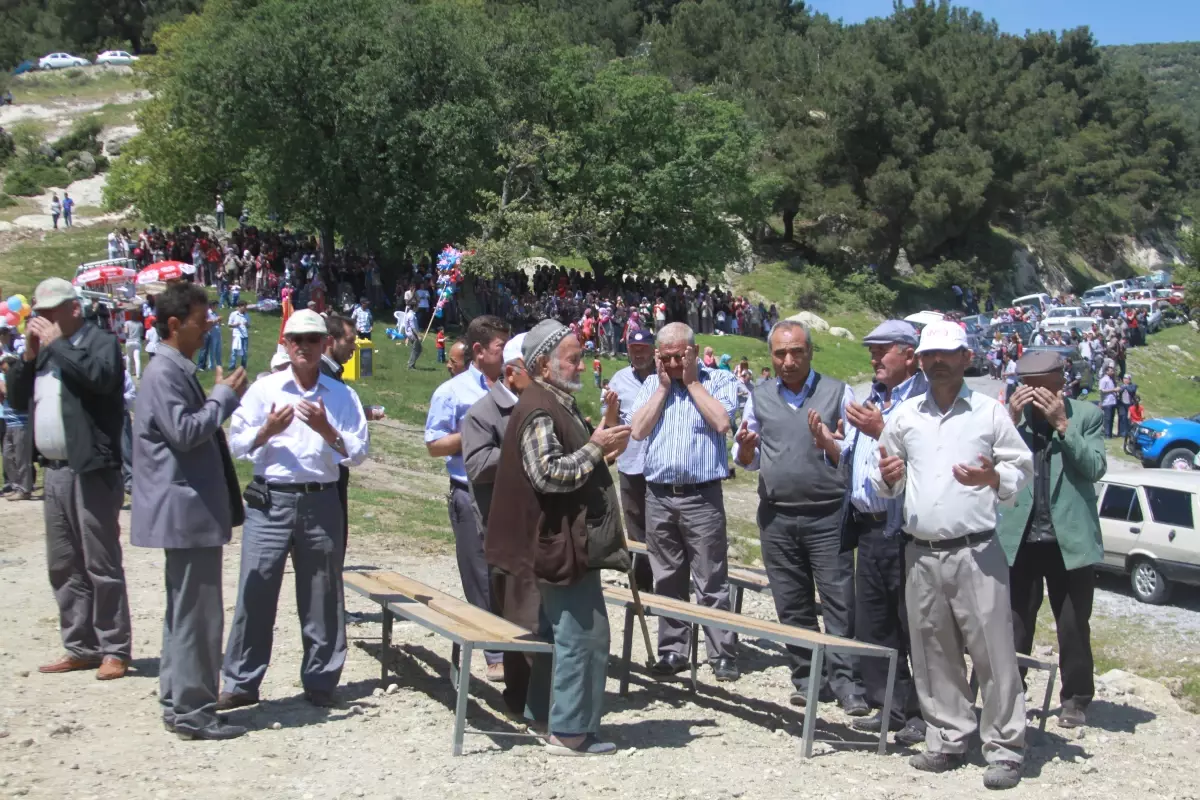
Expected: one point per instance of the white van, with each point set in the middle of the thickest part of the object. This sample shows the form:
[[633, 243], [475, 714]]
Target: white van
[[1039, 301]]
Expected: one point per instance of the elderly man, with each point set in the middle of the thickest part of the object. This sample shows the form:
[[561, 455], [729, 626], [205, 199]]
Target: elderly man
[[17, 444], [456, 358], [954, 453], [787, 435], [559, 522], [297, 426], [684, 413], [70, 381], [515, 597], [873, 525], [485, 340], [1052, 535], [186, 500], [626, 384]]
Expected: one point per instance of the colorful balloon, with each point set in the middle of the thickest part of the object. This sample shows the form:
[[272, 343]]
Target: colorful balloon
[[11, 319], [13, 303], [25, 311]]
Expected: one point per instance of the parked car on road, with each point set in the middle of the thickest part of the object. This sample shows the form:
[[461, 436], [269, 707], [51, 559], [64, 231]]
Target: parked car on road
[[1063, 311], [116, 58], [1023, 330], [1064, 324], [62, 61], [1170, 443], [1148, 522], [1101, 294], [1040, 302]]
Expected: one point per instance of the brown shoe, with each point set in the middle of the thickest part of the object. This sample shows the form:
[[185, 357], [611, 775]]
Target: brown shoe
[[70, 663], [112, 668], [15, 496], [227, 701]]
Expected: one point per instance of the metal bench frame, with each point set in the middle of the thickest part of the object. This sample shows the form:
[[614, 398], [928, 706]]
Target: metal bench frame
[[401, 605]]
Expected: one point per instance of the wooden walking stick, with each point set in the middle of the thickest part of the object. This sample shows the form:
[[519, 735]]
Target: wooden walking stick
[[641, 615]]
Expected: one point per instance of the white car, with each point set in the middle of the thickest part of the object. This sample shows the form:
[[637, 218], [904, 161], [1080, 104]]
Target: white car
[[62, 61], [1101, 294], [1148, 522], [1064, 311], [116, 58]]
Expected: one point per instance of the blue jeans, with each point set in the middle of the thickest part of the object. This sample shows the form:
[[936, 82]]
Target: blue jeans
[[235, 352]]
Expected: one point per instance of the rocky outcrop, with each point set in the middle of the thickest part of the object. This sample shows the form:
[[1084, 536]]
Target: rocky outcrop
[[810, 321]]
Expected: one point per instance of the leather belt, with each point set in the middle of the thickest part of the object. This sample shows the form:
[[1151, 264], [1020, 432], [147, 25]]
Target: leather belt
[[870, 516], [50, 463], [969, 540], [681, 489], [466, 487], [301, 488]]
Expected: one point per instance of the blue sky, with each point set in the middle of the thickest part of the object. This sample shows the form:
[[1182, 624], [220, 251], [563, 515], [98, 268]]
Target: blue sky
[[1111, 21]]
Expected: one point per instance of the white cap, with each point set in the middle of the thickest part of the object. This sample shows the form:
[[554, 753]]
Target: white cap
[[512, 350], [278, 360], [942, 335], [305, 321]]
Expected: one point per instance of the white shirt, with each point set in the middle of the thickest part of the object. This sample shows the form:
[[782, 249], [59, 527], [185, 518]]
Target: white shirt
[[152, 339], [240, 325], [49, 433], [299, 454], [936, 505]]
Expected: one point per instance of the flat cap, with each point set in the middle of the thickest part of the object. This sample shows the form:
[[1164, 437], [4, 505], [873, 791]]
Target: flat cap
[[305, 321], [892, 331], [52, 293], [1040, 362]]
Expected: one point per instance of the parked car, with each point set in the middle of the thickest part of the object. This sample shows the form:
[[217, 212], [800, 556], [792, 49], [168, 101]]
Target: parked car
[[1070, 353], [1040, 302], [1148, 522], [116, 58], [62, 61], [1023, 330], [1063, 311], [1101, 294], [1170, 443], [1064, 324]]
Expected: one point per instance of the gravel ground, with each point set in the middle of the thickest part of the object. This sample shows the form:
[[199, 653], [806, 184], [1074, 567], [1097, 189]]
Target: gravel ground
[[70, 735]]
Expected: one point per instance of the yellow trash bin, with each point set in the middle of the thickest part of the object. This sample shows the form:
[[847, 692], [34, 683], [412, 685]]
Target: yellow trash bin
[[361, 363]]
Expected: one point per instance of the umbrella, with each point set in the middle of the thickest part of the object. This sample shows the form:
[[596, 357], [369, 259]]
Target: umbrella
[[163, 271], [104, 276]]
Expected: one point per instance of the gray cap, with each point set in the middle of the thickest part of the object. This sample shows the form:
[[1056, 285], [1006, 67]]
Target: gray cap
[[52, 293], [892, 331], [542, 340]]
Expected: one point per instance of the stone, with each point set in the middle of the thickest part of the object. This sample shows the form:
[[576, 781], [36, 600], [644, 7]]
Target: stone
[[87, 159], [377, 692], [842, 333], [392, 688], [810, 320], [276, 726], [116, 143]]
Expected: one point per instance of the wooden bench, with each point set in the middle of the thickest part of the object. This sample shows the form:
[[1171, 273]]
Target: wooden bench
[[818, 643], [468, 627], [740, 576], [1029, 662]]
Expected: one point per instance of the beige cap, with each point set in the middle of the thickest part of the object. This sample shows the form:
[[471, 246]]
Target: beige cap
[[305, 321], [52, 293]]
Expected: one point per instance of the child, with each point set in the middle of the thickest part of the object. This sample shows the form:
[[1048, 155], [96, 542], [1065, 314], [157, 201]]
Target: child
[[597, 367], [441, 345], [234, 292]]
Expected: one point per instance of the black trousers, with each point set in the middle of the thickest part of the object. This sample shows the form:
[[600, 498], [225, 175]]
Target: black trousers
[[880, 618], [633, 507], [802, 553], [1070, 592]]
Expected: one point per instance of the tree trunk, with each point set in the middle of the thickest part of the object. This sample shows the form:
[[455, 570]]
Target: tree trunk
[[789, 224], [327, 242], [600, 270], [887, 267]]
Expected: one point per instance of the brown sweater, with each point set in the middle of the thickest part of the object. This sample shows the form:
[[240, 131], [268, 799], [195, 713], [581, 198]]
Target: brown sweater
[[556, 537]]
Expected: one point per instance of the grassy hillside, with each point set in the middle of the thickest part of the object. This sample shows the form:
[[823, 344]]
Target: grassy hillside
[[1173, 69]]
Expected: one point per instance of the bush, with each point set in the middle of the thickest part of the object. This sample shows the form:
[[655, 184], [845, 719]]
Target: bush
[[7, 201], [27, 180], [84, 135], [816, 289], [864, 289], [7, 147]]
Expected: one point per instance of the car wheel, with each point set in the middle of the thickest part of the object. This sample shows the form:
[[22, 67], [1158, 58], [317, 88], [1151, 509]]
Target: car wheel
[[1148, 583], [1180, 458]]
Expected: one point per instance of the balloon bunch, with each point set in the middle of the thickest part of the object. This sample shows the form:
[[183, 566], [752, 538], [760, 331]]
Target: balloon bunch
[[449, 266], [15, 311]]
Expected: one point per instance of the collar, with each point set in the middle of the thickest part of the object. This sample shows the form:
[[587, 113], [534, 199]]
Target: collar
[[910, 387], [928, 403], [167, 351], [289, 378], [565, 398], [809, 383], [476, 376], [502, 395]]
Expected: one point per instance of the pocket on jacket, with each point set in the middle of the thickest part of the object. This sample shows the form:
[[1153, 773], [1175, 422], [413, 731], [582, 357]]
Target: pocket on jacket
[[554, 559]]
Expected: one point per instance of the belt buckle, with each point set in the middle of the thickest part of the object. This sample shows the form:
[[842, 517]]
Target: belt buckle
[[312, 487], [678, 490]]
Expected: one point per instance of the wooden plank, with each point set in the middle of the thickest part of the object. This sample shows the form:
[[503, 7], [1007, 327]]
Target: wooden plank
[[738, 573], [766, 628], [386, 595], [492, 627]]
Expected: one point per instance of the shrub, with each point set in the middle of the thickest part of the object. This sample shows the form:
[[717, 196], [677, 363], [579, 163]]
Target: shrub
[[26, 180], [21, 183], [7, 201], [7, 148], [864, 289], [84, 135], [816, 289]]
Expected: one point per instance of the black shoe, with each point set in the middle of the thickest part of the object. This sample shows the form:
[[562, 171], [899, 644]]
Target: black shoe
[[320, 699], [215, 732], [912, 734], [800, 698], [936, 762], [854, 705], [227, 701], [1002, 775], [871, 724], [725, 670], [1072, 717], [169, 725], [670, 664]]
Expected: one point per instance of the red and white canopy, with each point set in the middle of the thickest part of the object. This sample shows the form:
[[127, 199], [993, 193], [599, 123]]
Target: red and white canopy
[[104, 276], [164, 271]]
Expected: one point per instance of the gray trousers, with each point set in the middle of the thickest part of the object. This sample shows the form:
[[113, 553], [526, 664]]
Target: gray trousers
[[686, 536], [190, 664], [18, 457], [960, 597], [468, 548], [83, 554], [310, 527], [575, 618], [414, 351], [802, 552]]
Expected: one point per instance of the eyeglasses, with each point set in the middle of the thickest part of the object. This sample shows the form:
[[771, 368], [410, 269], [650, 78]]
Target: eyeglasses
[[306, 338], [671, 359]]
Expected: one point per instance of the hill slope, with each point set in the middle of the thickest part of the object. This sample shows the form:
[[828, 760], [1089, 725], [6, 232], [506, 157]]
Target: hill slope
[[1173, 69]]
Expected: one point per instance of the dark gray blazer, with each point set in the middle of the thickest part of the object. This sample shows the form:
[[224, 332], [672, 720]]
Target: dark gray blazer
[[185, 493], [482, 434]]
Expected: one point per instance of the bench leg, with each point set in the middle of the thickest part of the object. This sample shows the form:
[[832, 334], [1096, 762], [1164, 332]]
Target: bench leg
[[1049, 696], [454, 666], [815, 671], [695, 656], [888, 696], [385, 655], [626, 651], [460, 708], [737, 599]]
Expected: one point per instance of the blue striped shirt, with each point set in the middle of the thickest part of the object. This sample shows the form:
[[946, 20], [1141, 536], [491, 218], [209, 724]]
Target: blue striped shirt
[[866, 454], [450, 403], [683, 448]]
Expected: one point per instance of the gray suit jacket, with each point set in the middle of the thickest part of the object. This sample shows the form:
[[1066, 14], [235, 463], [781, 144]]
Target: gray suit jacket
[[482, 434], [182, 492]]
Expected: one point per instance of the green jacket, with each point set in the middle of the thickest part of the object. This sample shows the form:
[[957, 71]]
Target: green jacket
[[1077, 461]]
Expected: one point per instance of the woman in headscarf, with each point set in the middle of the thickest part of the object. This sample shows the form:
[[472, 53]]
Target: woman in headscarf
[[709, 360], [725, 361]]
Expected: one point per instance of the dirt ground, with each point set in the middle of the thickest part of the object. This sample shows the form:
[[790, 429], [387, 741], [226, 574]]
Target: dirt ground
[[71, 735]]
